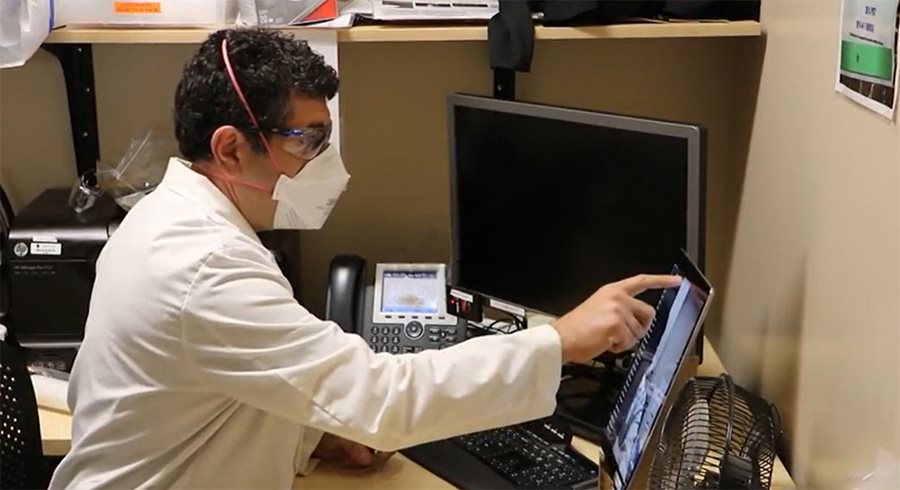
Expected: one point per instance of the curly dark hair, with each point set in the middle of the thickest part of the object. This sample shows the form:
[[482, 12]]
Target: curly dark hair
[[270, 66]]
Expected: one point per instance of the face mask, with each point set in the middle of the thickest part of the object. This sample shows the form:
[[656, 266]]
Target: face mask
[[305, 201]]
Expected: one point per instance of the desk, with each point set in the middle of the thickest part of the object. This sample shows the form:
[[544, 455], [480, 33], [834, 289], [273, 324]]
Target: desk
[[399, 472]]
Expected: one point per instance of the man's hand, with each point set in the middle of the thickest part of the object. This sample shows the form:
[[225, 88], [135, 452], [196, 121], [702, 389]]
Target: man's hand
[[341, 451], [612, 319]]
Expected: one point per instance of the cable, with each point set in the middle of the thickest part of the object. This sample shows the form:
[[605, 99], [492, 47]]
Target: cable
[[487, 329], [492, 326]]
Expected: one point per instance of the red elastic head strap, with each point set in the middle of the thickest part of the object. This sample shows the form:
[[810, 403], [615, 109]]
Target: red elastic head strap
[[240, 93]]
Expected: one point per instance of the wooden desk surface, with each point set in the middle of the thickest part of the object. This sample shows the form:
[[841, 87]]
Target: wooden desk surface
[[399, 472]]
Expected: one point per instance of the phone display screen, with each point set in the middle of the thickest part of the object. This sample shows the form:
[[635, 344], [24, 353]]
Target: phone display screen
[[413, 292]]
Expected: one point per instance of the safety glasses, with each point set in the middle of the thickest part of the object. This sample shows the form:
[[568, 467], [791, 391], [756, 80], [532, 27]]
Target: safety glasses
[[303, 143]]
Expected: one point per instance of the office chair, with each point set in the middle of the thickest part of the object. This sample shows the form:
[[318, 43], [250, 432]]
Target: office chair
[[22, 462]]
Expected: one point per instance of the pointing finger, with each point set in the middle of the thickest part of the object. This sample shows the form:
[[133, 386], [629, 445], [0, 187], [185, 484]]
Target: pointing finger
[[636, 285]]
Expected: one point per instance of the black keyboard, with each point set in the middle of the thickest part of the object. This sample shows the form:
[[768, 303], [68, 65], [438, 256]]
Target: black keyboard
[[528, 461]]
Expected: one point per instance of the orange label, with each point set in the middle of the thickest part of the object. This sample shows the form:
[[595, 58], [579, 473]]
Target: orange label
[[136, 7]]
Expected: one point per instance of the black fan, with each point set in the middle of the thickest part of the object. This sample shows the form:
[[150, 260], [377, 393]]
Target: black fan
[[717, 435]]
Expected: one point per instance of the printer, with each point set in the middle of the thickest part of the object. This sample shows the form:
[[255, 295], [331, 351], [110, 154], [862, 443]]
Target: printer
[[51, 253]]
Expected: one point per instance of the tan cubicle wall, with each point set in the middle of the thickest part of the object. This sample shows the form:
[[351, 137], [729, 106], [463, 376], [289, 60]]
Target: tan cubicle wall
[[394, 120], [812, 305]]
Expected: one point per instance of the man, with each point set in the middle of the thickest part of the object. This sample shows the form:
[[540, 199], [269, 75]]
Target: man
[[199, 369]]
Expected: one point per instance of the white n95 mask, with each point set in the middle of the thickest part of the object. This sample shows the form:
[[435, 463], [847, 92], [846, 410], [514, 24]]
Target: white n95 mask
[[305, 201]]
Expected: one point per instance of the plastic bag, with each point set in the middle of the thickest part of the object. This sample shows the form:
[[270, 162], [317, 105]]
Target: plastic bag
[[24, 24], [136, 174], [139, 170]]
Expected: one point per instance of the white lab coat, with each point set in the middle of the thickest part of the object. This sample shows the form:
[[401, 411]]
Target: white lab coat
[[199, 369]]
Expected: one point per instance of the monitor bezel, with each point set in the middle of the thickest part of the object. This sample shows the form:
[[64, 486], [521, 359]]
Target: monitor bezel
[[695, 136]]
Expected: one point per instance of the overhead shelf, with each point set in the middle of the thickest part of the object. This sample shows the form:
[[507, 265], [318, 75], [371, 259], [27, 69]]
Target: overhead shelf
[[383, 33], [417, 33]]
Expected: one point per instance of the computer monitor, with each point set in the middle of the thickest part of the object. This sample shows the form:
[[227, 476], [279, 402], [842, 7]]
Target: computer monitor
[[550, 203]]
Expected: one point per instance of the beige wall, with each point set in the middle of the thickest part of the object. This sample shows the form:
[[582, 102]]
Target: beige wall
[[812, 306], [394, 117], [135, 87], [35, 142], [394, 120]]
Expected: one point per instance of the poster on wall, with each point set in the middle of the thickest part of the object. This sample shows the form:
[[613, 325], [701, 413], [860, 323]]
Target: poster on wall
[[867, 61]]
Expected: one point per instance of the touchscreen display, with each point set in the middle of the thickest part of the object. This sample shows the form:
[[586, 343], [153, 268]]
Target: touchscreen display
[[655, 367], [414, 292]]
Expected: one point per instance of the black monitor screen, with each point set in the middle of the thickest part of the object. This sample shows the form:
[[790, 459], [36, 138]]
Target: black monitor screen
[[549, 209]]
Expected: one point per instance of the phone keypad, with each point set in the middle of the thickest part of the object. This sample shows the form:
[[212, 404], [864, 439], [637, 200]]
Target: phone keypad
[[396, 339]]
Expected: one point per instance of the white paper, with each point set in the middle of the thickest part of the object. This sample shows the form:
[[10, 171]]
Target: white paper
[[435, 9], [50, 393], [324, 42], [867, 71]]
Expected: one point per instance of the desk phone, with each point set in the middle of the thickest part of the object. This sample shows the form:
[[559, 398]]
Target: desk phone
[[404, 311]]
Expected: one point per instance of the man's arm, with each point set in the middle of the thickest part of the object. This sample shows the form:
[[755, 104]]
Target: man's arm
[[250, 340]]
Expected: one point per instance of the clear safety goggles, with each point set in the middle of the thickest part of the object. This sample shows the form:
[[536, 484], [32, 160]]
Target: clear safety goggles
[[303, 143]]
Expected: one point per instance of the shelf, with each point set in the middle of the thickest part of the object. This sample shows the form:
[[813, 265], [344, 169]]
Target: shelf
[[394, 33], [618, 31]]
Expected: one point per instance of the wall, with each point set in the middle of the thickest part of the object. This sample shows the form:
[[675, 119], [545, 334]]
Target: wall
[[135, 86], [394, 116], [394, 122], [812, 305]]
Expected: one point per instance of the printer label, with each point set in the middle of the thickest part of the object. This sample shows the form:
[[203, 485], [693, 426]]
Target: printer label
[[46, 248], [468, 298], [500, 305]]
